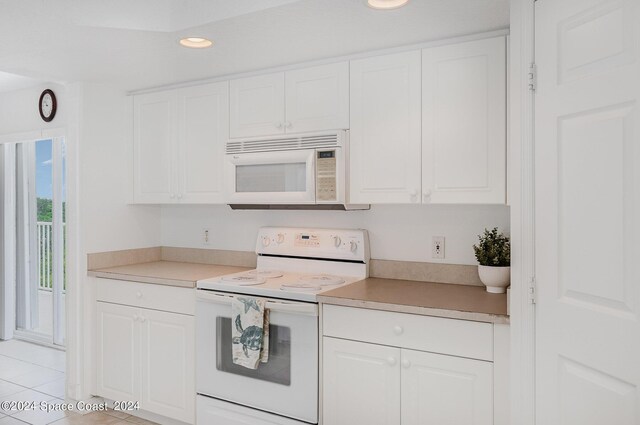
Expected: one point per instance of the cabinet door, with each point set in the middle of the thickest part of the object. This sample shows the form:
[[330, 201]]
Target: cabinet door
[[446, 390], [154, 146], [317, 98], [361, 383], [385, 129], [204, 130], [118, 352], [167, 362], [464, 122], [257, 105]]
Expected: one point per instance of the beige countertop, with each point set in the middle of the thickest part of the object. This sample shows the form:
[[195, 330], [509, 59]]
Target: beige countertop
[[430, 299], [171, 273]]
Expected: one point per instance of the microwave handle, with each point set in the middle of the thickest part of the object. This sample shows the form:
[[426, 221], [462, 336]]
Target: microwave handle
[[273, 305]]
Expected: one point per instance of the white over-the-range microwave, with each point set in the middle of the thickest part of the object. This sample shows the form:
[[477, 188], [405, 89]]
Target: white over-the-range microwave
[[303, 171]]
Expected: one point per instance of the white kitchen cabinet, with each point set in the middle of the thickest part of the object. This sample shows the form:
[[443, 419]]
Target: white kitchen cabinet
[[167, 349], [303, 100], [464, 122], [381, 375], [438, 389], [361, 383], [317, 98], [147, 356], [257, 105], [154, 148], [179, 139], [385, 124], [118, 352]]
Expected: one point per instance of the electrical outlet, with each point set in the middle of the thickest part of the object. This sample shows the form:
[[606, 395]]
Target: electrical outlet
[[437, 247], [206, 236]]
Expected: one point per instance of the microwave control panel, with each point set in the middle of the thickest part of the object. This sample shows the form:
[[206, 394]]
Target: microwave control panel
[[326, 180]]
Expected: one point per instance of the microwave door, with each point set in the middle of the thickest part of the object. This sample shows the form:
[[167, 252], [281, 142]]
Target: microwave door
[[286, 177]]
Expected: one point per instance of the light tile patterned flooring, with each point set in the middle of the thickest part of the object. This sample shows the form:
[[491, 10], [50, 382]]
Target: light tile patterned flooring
[[32, 373]]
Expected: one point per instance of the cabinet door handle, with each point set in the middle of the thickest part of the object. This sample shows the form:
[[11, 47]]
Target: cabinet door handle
[[172, 195], [398, 330], [426, 196], [414, 195], [391, 361], [135, 317], [406, 364], [138, 294], [143, 319], [180, 196], [278, 125], [288, 124]]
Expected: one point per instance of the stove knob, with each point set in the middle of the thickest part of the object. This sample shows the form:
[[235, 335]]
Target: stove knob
[[354, 246], [280, 238], [266, 241], [337, 241]]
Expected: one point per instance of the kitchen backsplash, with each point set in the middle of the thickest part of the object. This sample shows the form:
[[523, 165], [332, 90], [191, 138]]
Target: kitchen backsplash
[[397, 232]]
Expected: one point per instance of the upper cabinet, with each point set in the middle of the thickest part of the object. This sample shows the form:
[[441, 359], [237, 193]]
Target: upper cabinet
[[179, 138], [464, 122], [304, 100], [385, 162]]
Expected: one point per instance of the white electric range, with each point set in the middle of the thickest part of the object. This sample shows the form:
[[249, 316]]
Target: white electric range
[[294, 265]]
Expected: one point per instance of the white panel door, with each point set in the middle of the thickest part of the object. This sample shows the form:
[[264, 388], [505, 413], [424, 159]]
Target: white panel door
[[257, 105], [168, 364], [385, 162], [317, 98], [204, 130], [154, 148], [464, 123], [361, 383], [438, 389], [587, 155], [118, 352]]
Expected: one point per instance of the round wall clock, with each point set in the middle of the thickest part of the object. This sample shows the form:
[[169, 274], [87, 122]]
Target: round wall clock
[[47, 105]]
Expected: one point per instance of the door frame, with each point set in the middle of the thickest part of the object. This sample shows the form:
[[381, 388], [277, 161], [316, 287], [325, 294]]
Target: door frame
[[522, 201]]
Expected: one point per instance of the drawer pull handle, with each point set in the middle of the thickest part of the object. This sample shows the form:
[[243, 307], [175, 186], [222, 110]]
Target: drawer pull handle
[[406, 364], [391, 361], [398, 330], [136, 317], [139, 294]]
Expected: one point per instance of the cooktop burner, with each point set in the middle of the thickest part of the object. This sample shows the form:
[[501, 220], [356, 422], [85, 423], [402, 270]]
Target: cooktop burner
[[244, 279], [321, 280]]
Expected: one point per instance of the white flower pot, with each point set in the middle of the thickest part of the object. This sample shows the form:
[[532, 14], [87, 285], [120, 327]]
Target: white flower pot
[[496, 279]]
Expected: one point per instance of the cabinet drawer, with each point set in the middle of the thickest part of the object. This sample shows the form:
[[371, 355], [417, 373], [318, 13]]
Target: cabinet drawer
[[156, 297], [434, 334]]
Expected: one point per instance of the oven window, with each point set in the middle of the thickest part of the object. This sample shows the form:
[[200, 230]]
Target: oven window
[[291, 177], [276, 370]]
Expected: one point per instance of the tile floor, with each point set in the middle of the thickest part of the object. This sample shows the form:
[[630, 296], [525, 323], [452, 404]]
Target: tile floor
[[32, 373]]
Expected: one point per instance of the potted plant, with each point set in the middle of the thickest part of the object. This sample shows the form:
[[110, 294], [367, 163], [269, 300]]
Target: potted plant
[[493, 253]]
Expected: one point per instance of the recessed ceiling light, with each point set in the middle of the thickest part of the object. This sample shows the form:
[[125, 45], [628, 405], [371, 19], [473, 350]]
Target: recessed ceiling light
[[386, 4], [196, 42]]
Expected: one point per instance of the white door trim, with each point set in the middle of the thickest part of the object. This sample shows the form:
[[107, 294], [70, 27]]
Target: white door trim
[[521, 175]]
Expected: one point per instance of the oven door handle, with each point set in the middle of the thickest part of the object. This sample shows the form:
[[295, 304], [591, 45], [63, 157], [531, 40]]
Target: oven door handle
[[307, 309]]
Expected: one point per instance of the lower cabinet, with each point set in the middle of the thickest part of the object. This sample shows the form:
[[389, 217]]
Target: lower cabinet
[[147, 356], [361, 383], [380, 385]]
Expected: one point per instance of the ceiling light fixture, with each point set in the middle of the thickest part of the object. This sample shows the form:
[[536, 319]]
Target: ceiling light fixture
[[386, 4], [196, 42]]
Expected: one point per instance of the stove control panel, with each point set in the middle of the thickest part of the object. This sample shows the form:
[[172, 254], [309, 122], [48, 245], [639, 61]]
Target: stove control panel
[[338, 244]]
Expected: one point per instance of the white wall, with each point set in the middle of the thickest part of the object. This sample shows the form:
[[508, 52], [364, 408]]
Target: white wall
[[398, 232], [19, 110]]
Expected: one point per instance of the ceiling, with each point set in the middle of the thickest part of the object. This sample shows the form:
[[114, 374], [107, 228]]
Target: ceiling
[[134, 43]]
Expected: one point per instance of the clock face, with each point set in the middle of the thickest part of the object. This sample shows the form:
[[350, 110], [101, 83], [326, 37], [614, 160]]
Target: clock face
[[47, 105]]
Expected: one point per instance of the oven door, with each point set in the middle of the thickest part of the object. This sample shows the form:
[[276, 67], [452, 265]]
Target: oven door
[[285, 177], [287, 384]]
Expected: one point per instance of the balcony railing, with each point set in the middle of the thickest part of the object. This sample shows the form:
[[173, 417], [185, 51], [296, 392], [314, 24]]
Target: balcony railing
[[45, 255]]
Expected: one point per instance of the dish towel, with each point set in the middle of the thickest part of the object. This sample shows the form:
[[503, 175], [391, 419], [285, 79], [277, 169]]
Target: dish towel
[[250, 331]]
